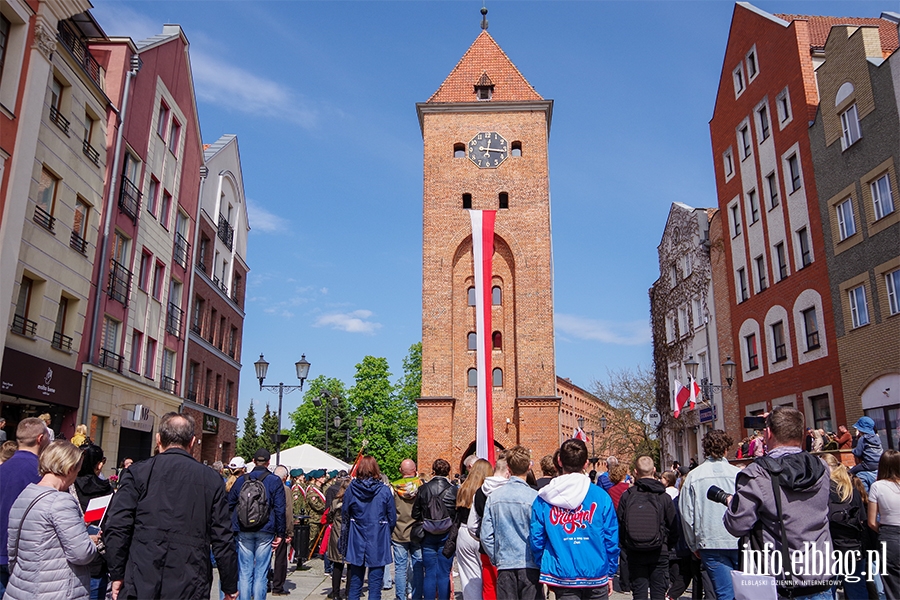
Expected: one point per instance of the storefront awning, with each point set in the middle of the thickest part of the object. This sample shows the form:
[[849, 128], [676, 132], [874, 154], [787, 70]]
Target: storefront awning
[[31, 377]]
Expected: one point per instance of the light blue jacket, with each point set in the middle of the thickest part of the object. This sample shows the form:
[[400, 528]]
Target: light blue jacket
[[868, 450], [506, 526], [702, 518]]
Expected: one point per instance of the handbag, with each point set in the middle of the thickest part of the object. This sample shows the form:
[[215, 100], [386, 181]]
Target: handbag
[[450, 544], [12, 562]]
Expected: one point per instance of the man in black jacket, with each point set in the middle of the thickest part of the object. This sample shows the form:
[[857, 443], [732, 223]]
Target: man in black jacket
[[431, 527], [167, 513], [647, 531]]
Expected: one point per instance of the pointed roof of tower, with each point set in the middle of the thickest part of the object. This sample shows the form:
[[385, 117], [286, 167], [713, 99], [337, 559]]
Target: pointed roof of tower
[[485, 61]]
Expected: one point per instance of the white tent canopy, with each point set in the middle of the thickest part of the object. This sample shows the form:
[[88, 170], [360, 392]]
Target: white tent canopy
[[309, 457]]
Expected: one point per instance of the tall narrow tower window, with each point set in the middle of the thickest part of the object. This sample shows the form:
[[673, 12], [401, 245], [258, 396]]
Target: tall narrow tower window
[[496, 296], [467, 200], [472, 341], [497, 340], [471, 296], [497, 378], [503, 200], [516, 148], [459, 150], [472, 377]]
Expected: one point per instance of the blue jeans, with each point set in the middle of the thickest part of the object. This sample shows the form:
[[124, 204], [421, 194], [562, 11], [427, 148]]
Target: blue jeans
[[4, 579], [437, 568], [254, 555], [357, 574], [719, 564], [403, 551], [826, 595], [98, 587]]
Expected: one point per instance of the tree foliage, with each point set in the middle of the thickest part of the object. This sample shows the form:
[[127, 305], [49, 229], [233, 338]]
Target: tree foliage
[[268, 429], [631, 394], [308, 420], [249, 442]]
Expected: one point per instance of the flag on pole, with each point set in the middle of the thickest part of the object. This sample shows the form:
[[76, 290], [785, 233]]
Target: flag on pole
[[96, 508], [682, 396], [482, 255], [580, 435], [695, 392]]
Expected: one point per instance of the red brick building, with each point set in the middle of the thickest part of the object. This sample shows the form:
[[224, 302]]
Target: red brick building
[[777, 286]]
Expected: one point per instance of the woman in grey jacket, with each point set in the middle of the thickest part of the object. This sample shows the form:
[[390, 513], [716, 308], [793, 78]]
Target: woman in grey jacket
[[49, 548]]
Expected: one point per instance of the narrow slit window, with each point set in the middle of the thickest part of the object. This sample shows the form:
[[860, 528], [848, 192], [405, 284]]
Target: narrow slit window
[[472, 377], [459, 150], [516, 148], [497, 378], [496, 296], [472, 341], [471, 296], [497, 340], [503, 200], [467, 200]]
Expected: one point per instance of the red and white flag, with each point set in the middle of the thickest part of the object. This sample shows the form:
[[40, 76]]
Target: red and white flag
[[695, 392], [682, 395], [483, 254], [580, 435], [96, 508]]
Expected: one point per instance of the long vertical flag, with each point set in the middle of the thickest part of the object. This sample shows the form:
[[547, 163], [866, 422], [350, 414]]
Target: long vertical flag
[[695, 392], [483, 254], [680, 399]]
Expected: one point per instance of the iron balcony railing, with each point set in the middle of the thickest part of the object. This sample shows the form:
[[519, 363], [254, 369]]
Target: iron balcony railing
[[130, 199], [44, 219], [79, 50], [226, 232], [168, 384], [23, 326], [59, 120], [173, 320], [90, 152], [182, 250], [61, 341], [119, 282], [78, 243], [110, 360]]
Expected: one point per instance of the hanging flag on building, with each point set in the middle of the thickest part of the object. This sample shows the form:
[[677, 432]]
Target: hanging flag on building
[[695, 392], [483, 254], [682, 396]]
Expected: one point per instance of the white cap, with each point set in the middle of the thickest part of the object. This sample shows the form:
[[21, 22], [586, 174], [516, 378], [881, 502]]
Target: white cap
[[237, 463]]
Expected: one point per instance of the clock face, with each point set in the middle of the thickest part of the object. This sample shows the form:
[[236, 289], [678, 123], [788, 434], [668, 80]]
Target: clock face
[[488, 149]]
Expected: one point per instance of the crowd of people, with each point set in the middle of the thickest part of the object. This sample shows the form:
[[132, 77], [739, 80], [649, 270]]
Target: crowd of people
[[711, 527]]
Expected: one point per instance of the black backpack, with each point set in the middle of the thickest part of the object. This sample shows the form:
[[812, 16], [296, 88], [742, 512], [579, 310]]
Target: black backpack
[[436, 518], [253, 503], [643, 522]]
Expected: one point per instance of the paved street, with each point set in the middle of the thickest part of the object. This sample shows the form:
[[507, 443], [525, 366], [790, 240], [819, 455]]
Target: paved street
[[311, 583]]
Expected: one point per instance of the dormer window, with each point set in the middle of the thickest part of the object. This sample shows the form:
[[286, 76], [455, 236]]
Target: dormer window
[[484, 89]]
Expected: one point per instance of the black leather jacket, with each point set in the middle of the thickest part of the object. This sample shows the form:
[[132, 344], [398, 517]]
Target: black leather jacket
[[440, 486]]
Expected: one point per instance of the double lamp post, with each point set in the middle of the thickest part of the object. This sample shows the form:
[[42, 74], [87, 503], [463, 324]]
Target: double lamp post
[[262, 367]]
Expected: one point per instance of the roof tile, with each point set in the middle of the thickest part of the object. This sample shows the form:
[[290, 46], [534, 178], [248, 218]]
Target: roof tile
[[820, 27]]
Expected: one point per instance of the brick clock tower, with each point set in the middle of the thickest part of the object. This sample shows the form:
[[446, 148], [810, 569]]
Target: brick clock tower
[[485, 133]]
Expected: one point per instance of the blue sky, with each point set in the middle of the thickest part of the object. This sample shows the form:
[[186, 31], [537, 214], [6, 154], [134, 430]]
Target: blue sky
[[322, 98]]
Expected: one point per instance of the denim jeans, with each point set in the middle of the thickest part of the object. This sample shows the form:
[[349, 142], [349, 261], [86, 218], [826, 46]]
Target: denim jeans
[[407, 557], [254, 556], [4, 579], [98, 587], [719, 564], [355, 579], [437, 567], [826, 595]]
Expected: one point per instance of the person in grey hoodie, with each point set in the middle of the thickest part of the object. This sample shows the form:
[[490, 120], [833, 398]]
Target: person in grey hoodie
[[490, 485]]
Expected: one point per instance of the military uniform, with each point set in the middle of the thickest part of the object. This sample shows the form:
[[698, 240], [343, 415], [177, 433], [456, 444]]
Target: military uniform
[[315, 500]]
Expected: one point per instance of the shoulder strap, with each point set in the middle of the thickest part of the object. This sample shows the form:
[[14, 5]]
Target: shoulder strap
[[776, 487], [22, 522]]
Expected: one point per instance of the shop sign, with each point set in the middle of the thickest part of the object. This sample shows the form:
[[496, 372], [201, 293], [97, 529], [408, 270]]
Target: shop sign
[[210, 424], [31, 377], [707, 414], [139, 418]]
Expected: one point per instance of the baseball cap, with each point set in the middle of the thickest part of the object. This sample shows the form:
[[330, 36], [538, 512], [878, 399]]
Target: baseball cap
[[262, 455], [237, 463]]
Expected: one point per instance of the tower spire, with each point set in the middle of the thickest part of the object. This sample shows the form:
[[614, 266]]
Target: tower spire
[[484, 21]]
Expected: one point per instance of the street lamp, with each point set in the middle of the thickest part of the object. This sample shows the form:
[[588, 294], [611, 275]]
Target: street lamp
[[594, 457], [603, 423], [317, 400], [706, 388], [262, 368]]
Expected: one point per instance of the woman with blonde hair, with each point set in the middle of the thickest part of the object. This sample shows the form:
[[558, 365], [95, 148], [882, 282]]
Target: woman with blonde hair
[[884, 517], [50, 551], [80, 436], [468, 555], [846, 520]]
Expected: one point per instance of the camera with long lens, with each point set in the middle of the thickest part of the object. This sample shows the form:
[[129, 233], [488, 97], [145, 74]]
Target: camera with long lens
[[717, 494]]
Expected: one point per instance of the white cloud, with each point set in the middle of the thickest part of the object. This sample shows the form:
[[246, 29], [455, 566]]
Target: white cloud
[[118, 20], [221, 82], [626, 333], [263, 220], [352, 322]]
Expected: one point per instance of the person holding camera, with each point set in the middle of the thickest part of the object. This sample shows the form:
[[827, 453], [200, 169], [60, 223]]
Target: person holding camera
[[704, 532]]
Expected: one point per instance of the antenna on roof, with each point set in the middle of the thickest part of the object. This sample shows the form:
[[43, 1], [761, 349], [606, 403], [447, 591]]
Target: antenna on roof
[[484, 21]]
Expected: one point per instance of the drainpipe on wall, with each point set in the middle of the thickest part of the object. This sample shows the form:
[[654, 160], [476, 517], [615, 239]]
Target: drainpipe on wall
[[107, 223], [204, 172]]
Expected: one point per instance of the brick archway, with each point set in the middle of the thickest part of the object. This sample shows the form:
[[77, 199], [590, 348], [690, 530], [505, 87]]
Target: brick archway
[[471, 450]]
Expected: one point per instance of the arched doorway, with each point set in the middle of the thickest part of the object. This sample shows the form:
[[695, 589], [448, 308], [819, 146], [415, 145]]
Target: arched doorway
[[471, 450]]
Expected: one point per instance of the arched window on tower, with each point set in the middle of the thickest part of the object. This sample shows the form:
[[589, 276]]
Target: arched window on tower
[[503, 200], [497, 377], [471, 296], [459, 150], [516, 148], [497, 340], [472, 341], [467, 200], [496, 296], [472, 377]]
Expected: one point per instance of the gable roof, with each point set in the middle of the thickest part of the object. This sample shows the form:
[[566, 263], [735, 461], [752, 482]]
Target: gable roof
[[485, 58], [820, 27]]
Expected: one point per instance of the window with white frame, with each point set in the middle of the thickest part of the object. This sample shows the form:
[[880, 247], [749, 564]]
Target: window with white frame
[[673, 275], [882, 198], [778, 341], [846, 223], [782, 261], [728, 163], [742, 284], [850, 127], [752, 65], [682, 320], [783, 106], [772, 185], [698, 313], [744, 140], [670, 328], [793, 164], [760, 273], [752, 354], [859, 309], [754, 206], [762, 115], [735, 220], [162, 120], [892, 282], [805, 250], [811, 328], [738, 75], [687, 264]]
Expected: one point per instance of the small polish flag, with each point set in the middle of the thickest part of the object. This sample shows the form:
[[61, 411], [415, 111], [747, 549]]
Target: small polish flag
[[682, 396], [96, 508], [580, 435], [290, 553], [695, 392]]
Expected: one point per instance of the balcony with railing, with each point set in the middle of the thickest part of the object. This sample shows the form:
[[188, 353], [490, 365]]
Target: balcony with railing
[[168, 384], [182, 250], [44, 219], [174, 318], [119, 282], [59, 120], [92, 153], [78, 243], [226, 232], [74, 43], [110, 360], [130, 199], [191, 395], [23, 326], [61, 341]]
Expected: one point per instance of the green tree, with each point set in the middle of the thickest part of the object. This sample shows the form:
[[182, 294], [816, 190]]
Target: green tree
[[308, 420], [268, 429], [248, 443], [631, 394]]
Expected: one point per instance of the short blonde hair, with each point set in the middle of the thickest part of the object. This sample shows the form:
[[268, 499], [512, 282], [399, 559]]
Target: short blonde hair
[[60, 458]]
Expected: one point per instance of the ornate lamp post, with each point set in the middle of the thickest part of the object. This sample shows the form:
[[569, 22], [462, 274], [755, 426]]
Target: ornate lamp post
[[332, 400], [707, 389], [262, 368]]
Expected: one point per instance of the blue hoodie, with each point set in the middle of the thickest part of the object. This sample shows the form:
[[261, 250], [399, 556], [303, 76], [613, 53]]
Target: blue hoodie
[[574, 533]]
